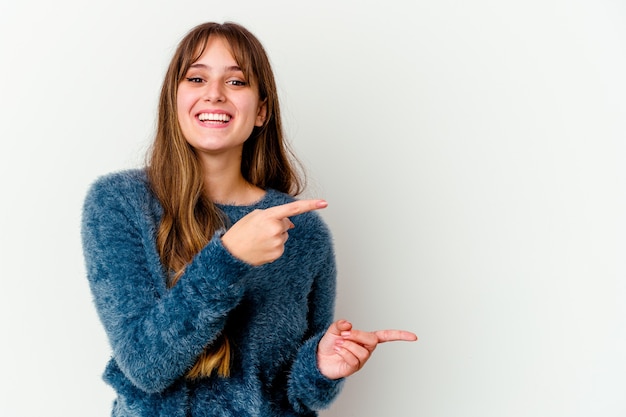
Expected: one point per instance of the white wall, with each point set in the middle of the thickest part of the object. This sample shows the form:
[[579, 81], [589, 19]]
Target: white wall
[[472, 154]]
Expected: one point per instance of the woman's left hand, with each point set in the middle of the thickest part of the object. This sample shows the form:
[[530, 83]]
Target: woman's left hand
[[342, 351]]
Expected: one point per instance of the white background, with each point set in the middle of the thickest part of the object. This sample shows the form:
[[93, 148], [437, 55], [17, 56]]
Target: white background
[[471, 152]]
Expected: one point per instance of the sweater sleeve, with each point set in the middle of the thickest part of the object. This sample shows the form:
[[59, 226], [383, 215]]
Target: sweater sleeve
[[155, 334], [308, 389]]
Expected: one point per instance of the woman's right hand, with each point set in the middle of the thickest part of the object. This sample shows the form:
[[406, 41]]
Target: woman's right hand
[[260, 236]]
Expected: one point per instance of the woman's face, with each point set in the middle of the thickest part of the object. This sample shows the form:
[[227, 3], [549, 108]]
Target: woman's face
[[217, 107]]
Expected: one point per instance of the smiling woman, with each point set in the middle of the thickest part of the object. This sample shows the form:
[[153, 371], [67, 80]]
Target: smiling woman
[[217, 105], [222, 296]]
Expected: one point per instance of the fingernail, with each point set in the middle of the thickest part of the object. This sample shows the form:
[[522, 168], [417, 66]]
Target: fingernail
[[345, 334], [322, 203]]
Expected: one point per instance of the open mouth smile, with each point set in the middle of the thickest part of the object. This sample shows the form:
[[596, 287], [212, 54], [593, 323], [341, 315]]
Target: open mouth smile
[[214, 118]]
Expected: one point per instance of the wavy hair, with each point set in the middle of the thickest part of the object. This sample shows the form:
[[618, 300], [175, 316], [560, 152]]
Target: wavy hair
[[190, 218]]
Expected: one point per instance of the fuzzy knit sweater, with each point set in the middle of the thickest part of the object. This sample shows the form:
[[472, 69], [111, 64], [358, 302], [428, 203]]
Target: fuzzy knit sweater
[[274, 314]]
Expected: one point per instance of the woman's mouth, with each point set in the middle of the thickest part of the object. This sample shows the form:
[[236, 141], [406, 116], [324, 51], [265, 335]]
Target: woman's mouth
[[214, 118]]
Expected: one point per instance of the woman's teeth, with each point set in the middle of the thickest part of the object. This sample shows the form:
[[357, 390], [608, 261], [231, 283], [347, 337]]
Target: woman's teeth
[[214, 117]]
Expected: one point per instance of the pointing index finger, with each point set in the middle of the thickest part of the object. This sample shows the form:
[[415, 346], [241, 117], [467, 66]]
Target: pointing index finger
[[395, 335], [297, 207]]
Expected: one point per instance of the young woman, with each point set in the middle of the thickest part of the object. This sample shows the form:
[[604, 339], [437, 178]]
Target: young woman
[[215, 285]]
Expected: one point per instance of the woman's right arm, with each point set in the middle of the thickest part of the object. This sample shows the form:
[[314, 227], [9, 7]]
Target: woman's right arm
[[155, 334]]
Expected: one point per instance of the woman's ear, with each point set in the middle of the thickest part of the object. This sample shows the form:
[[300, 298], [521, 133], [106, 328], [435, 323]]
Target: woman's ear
[[261, 114]]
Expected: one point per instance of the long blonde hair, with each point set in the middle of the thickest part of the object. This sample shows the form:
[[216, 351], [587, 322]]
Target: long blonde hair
[[189, 217]]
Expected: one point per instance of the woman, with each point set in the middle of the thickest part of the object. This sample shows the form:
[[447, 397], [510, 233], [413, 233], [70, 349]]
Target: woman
[[214, 284]]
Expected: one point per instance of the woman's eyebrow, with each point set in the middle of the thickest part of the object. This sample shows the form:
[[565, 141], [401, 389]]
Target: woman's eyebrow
[[231, 68]]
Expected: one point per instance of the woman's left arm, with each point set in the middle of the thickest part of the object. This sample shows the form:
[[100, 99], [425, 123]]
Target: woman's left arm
[[307, 388]]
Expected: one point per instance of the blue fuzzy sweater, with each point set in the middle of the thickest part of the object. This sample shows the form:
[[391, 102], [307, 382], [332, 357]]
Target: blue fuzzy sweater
[[274, 314]]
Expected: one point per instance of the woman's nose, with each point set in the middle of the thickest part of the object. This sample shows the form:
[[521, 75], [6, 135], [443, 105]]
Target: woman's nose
[[214, 91]]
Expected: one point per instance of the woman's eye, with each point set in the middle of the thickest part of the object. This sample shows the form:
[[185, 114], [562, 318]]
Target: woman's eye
[[194, 79], [237, 83]]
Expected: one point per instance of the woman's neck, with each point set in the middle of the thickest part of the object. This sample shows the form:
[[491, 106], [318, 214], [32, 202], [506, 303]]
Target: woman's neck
[[225, 184]]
